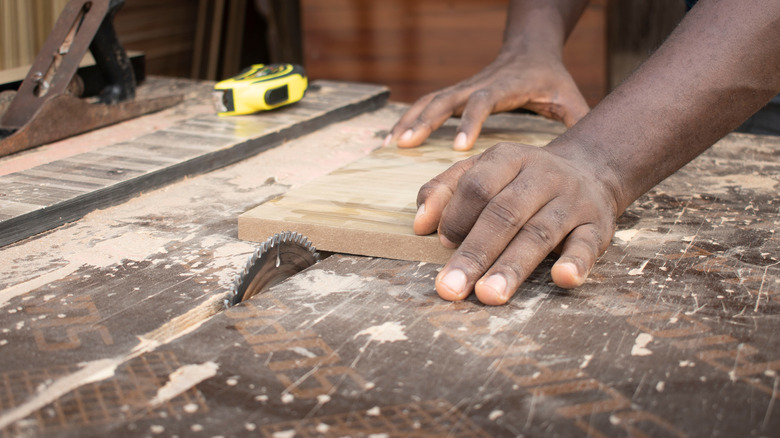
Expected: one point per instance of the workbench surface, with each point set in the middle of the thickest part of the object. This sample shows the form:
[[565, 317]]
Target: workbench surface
[[113, 325]]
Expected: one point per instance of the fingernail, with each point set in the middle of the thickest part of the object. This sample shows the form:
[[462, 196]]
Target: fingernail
[[455, 283], [567, 275], [407, 135], [460, 142], [420, 212], [497, 282], [387, 140]]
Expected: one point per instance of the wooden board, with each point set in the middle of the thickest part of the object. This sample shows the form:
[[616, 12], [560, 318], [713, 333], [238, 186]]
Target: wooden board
[[43, 197], [368, 207]]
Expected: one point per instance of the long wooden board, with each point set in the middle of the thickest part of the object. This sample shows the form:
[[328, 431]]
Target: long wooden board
[[368, 207], [46, 196]]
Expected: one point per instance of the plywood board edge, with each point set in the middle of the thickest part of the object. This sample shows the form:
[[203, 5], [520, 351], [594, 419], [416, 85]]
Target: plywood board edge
[[348, 241]]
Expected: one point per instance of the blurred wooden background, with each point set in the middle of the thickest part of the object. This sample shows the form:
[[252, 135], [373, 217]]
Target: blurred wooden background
[[416, 47], [412, 46]]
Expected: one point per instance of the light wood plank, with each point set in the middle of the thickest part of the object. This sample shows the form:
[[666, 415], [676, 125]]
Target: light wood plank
[[368, 207]]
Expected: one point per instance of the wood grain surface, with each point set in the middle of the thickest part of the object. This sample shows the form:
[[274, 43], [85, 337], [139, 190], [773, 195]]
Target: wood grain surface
[[37, 199], [368, 207]]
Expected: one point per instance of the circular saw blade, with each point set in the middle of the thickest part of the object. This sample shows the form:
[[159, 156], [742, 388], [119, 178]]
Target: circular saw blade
[[275, 260]]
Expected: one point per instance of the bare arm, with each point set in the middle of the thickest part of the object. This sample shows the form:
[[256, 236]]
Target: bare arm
[[528, 73], [509, 207]]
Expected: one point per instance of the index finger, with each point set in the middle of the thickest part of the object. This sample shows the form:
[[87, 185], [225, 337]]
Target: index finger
[[408, 118], [434, 196]]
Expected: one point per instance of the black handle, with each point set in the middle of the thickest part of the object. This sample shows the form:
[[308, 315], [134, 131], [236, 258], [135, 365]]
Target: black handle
[[112, 60]]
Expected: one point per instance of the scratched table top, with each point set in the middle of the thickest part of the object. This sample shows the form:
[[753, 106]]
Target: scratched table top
[[112, 325]]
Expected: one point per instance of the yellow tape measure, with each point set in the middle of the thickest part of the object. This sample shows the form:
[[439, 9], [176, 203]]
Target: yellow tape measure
[[260, 87]]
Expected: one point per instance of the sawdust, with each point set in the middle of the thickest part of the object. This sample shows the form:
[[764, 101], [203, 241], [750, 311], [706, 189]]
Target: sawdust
[[640, 345], [388, 332], [182, 380], [185, 323], [626, 235], [529, 307], [327, 283]]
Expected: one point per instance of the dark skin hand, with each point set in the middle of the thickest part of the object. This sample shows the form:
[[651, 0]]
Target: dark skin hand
[[528, 73], [506, 209]]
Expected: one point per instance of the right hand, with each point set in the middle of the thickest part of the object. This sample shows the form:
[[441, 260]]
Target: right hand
[[539, 83], [506, 209]]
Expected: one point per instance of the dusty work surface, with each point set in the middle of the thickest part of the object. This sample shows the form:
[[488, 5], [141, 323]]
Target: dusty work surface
[[196, 140], [112, 325]]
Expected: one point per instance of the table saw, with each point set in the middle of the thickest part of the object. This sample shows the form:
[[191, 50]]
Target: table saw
[[121, 244]]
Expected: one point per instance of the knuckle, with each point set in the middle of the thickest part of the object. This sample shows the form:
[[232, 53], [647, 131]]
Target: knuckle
[[514, 269], [476, 188], [540, 234], [499, 150], [422, 122], [439, 102], [429, 189], [455, 232], [560, 216], [504, 214], [425, 191], [591, 241], [474, 261], [482, 94]]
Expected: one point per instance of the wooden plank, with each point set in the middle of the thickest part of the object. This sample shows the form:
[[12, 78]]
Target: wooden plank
[[368, 207], [9, 209], [184, 149]]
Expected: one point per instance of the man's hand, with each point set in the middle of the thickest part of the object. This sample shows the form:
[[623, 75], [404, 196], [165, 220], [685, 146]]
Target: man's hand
[[528, 73], [509, 207], [506, 210], [538, 82]]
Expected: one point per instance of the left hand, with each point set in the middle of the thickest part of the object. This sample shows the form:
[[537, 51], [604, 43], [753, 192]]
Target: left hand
[[535, 81], [507, 209]]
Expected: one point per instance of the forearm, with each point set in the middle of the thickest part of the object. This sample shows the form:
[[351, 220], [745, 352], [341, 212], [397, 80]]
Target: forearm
[[719, 66], [540, 24]]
